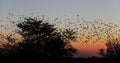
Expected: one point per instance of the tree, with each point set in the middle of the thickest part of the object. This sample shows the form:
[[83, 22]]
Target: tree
[[42, 39], [112, 51]]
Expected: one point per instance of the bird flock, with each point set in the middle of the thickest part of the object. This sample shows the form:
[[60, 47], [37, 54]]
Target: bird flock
[[89, 31], [86, 30]]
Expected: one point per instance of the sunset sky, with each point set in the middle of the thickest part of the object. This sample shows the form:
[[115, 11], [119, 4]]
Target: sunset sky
[[106, 10]]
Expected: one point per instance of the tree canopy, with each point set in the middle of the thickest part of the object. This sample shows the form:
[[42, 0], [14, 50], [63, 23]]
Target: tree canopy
[[41, 39], [113, 49]]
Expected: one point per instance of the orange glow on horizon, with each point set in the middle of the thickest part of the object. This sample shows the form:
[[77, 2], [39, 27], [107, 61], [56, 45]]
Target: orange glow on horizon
[[89, 48]]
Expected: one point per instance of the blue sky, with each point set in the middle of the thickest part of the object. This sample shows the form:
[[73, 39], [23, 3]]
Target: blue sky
[[107, 10]]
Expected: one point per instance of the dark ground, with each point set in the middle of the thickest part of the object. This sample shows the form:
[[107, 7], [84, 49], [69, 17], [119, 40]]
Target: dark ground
[[58, 60]]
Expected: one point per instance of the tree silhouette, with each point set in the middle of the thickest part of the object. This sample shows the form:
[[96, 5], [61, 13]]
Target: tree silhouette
[[41, 39], [113, 49]]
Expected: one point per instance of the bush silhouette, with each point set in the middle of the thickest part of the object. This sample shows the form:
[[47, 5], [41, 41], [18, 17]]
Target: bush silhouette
[[41, 39], [112, 51]]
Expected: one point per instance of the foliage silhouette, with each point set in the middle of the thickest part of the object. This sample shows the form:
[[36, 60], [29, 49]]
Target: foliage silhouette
[[41, 39], [112, 51]]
